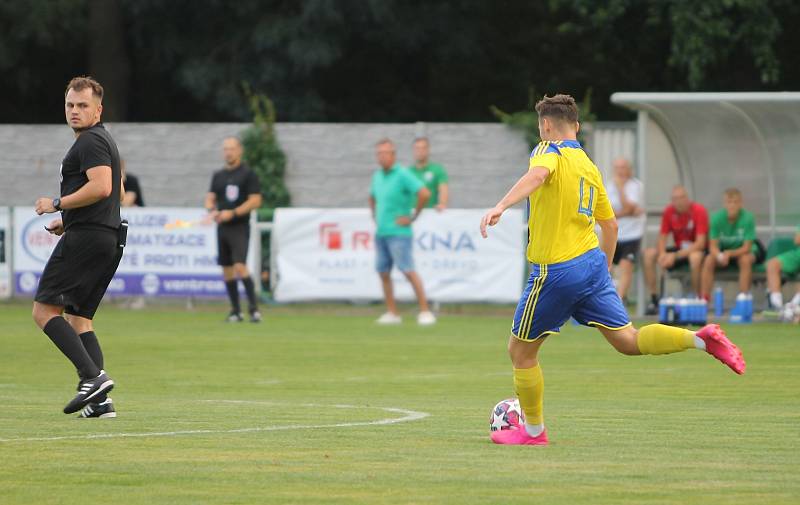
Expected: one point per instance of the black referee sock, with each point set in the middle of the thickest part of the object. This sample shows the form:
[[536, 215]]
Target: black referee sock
[[233, 294], [250, 289], [69, 343], [92, 346]]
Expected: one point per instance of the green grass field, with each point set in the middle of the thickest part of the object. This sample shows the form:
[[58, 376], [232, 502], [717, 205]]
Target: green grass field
[[286, 413]]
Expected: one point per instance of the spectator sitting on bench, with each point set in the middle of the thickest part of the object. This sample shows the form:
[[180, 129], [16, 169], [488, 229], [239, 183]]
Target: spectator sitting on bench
[[788, 263], [732, 240], [688, 223]]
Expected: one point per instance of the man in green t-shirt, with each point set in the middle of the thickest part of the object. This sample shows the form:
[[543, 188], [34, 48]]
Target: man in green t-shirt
[[787, 263], [393, 194], [432, 175], [732, 237]]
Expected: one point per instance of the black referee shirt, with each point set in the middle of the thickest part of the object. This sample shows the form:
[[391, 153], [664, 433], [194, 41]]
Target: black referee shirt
[[132, 185], [94, 147], [232, 187]]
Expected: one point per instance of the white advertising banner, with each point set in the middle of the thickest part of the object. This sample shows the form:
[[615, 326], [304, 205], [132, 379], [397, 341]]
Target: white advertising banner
[[171, 251], [5, 252], [329, 254]]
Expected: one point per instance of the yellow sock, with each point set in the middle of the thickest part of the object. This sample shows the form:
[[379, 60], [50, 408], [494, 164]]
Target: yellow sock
[[663, 339], [529, 385]]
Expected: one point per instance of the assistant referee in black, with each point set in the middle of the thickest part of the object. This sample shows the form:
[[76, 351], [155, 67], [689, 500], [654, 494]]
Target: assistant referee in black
[[87, 255], [235, 191]]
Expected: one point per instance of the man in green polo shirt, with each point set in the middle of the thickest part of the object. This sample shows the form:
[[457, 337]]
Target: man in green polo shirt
[[393, 194], [732, 238], [431, 174], [786, 263]]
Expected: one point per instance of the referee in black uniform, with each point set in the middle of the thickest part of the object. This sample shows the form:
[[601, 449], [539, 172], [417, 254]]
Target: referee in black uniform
[[235, 191], [90, 249]]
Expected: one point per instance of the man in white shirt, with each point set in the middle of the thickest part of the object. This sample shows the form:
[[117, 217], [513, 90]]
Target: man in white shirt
[[626, 194]]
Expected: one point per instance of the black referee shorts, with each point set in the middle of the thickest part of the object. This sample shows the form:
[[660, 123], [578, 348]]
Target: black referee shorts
[[232, 242], [80, 269], [628, 250]]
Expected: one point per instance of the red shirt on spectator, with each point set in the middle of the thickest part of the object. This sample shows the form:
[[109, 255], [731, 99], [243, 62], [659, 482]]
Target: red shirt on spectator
[[685, 227]]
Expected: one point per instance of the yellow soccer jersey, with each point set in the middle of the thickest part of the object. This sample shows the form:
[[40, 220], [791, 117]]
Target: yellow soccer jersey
[[563, 210]]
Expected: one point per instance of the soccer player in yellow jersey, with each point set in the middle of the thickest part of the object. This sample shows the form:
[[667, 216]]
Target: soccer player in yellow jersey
[[570, 268]]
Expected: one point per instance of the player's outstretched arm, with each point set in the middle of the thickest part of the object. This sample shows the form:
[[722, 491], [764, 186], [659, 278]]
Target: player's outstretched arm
[[523, 188]]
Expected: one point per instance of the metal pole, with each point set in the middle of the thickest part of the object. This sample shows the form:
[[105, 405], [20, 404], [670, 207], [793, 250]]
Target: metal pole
[[254, 255], [641, 164]]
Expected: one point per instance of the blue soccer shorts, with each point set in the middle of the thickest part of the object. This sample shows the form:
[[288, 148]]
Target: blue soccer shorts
[[579, 288], [394, 250]]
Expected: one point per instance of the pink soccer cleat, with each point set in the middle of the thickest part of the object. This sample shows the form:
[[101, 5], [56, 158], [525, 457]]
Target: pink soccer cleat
[[718, 345], [518, 436]]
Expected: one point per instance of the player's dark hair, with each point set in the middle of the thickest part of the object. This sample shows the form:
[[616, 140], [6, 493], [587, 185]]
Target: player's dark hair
[[82, 82], [560, 107]]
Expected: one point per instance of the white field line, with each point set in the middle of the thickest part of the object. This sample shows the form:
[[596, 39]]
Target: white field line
[[407, 416], [338, 380]]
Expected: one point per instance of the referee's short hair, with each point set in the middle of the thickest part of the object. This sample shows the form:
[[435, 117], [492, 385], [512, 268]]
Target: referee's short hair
[[82, 82], [559, 107], [234, 137]]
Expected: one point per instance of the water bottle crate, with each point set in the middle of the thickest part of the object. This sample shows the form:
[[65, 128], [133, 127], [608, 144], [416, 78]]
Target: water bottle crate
[[683, 311]]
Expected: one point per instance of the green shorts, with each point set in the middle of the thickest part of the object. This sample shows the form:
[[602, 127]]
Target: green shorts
[[790, 261]]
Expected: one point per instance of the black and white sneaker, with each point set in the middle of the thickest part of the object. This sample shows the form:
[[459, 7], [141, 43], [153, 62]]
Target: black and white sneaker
[[234, 317], [90, 389], [255, 316], [99, 410]]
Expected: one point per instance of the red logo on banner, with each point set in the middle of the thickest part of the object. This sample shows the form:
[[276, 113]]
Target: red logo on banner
[[362, 239], [330, 236]]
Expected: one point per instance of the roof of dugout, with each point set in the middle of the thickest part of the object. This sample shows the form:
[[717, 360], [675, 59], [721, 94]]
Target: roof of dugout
[[712, 141]]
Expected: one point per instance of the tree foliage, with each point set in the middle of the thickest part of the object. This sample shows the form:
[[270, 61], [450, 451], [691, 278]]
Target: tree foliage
[[41, 42], [526, 121], [705, 38], [394, 60], [263, 153], [707, 34]]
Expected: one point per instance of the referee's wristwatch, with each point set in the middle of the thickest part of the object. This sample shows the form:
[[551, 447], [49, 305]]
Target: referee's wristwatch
[[57, 204]]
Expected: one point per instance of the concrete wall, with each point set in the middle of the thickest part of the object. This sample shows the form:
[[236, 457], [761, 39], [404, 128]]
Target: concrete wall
[[329, 164]]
